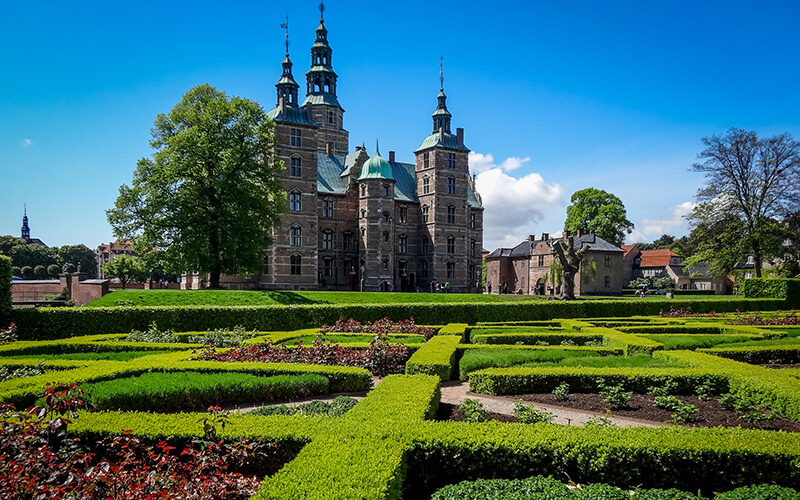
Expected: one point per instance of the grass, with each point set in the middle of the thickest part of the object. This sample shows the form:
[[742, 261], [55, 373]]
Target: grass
[[696, 341], [108, 356], [248, 298]]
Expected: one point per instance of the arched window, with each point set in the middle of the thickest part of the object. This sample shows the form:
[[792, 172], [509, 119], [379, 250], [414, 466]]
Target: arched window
[[386, 236], [295, 236], [451, 244], [386, 216], [327, 240], [295, 265], [451, 214], [294, 201], [472, 277], [363, 190], [473, 250], [451, 269], [402, 244], [363, 213]]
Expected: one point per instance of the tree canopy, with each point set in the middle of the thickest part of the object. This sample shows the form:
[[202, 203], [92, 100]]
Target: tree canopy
[[210, 196], [124, 268], [752, 187], [599, 212]]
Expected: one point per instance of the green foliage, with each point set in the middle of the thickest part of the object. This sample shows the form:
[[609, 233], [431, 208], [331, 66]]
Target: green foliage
[[436, 357], [616, 396], [40, 272], [599, 212], [779, 288], [223, 338], [53, 270], [760, 492], [528, 414], [694, 341], [124, 268], [165, 392], [533, 488], [27, 272], [336, 408], [78, 255], [5, 291], [7, 373], [561, 393], [473, 410], [571, 339], [665, 389], [153, 334], [211, 195], [759, 355], [478, 359]]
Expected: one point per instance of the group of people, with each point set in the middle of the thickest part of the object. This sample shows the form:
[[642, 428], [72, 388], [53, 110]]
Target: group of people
[[437, 287]]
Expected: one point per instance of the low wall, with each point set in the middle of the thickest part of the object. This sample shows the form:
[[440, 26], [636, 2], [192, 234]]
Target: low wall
[[78, 290]]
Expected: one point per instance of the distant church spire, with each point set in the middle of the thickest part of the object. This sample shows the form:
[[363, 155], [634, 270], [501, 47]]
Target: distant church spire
[[441, 117], [287, 87], [26, 231]]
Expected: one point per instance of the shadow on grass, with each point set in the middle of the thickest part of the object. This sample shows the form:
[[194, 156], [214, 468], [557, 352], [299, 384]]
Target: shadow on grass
[[289, 298]]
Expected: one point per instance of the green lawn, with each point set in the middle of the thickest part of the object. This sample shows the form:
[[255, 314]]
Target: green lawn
[[254, 298]]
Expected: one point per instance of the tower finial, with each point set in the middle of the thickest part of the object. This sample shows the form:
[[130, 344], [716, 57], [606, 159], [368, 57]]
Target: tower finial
[[321, 11], [24, 209], [441, 72], [286, 27], [377, 150]]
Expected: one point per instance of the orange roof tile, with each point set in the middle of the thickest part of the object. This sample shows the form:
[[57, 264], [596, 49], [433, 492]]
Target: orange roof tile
[[656, 258]]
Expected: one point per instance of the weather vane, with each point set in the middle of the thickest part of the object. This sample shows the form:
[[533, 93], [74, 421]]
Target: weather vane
[[441, 72], [286, 27], [321, 10]]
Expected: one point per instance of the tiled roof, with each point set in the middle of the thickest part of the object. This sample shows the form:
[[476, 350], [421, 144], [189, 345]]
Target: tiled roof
[[325, 98], [473, 200], [657, 258], [330, 178], [596, 243], [627, 249], [292, 114], [521, 250]]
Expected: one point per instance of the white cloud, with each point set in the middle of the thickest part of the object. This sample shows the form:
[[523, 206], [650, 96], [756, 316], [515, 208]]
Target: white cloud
[[651, 228], [479, 163], [513, 206], [26, 143]]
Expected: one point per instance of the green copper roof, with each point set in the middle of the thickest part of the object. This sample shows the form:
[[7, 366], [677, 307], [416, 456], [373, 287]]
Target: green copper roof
[[376, 168], [449, 141], [326, 98], [292, 114]]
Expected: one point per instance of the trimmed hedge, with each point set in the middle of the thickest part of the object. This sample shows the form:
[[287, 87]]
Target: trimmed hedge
[[630, 344], [5, 291], [532, 338], [53, 323], [779, 288], [436, 357], [758, 355]]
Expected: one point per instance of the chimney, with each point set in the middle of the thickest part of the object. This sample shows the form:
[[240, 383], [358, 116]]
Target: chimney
[[460, 134], [391, 156], [328, 148], [545, 236], [531, 238], [578, 233]]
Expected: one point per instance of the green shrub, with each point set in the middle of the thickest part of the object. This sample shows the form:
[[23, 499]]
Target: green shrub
[[761, 491], [166, 392], [5, 291], [492, 357], [779, 288], [561, 393], [758, 355], [528, 414], [473, 410], [436, 357], [564, 339], [336, 408], [616, 396], [533, 488]]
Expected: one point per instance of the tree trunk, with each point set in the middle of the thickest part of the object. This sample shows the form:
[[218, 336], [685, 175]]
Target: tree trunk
[[570, 262], [757, 258], [214, 282]]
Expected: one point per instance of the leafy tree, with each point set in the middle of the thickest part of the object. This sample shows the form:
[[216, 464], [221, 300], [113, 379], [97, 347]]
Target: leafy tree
[[40, 272], [750, 180], [124, 268], [32, 256], [79, 254], [7, 244], [16, 271], [27, 272], [596, 211], [53, 270], [211, 195]]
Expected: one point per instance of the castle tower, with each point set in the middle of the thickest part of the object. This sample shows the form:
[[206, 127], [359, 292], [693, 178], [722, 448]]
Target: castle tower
[[293, 256], [443, 188], [376, 223], [321, 102], [26, 230]]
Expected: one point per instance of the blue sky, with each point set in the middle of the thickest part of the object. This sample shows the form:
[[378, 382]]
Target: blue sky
[[554, 96]]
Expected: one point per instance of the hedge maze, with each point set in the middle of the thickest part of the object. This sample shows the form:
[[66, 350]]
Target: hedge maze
[[390, 446]]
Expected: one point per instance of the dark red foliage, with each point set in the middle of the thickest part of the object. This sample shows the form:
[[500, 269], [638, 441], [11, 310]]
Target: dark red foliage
[[381, 358], [382, 326], [38, 460], [757, 320], [687, 313]]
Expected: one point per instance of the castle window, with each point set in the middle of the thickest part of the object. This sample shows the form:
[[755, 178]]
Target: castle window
[[451, 269], [347, 267], [295, 265], [347, 241], [331, 117], [296, 163], [472, 277], [451, 244], [386, 236], [363, 232], [424, 268], [385, 190], [295, 236], [327, 266], [425, 210], [472, 248], [294, 201], [363, 213], [541, 261], [327, 208], [403, 213], [385, 264], [472, 220], [402, 266], [451, 214], [402, 244], [608, 261], [327, 240], [426, 160], [363, 190], [424, 245], [608, 282], [386, 216], [295, 137], [451, 160], [266, 265], [426, 184], [451, 185]]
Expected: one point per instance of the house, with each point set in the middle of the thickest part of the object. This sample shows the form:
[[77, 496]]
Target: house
[[112, 251], [666, 263], [526, 268]]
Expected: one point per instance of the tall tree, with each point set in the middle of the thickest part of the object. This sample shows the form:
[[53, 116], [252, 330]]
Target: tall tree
[[211, 195], [124, 268], [80, 256], [756, 181], [599, 212]]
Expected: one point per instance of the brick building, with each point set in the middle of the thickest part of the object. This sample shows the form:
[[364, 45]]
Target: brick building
[[362, 221], [110, 252], [526, 267]]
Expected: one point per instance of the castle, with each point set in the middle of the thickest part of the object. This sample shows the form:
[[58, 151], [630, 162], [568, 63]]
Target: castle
[[364, 222]]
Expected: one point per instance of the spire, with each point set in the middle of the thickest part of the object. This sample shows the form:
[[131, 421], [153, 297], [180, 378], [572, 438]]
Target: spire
[[441, 117], [377, 149], [320, 78], [287, 86], [26, 231]]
